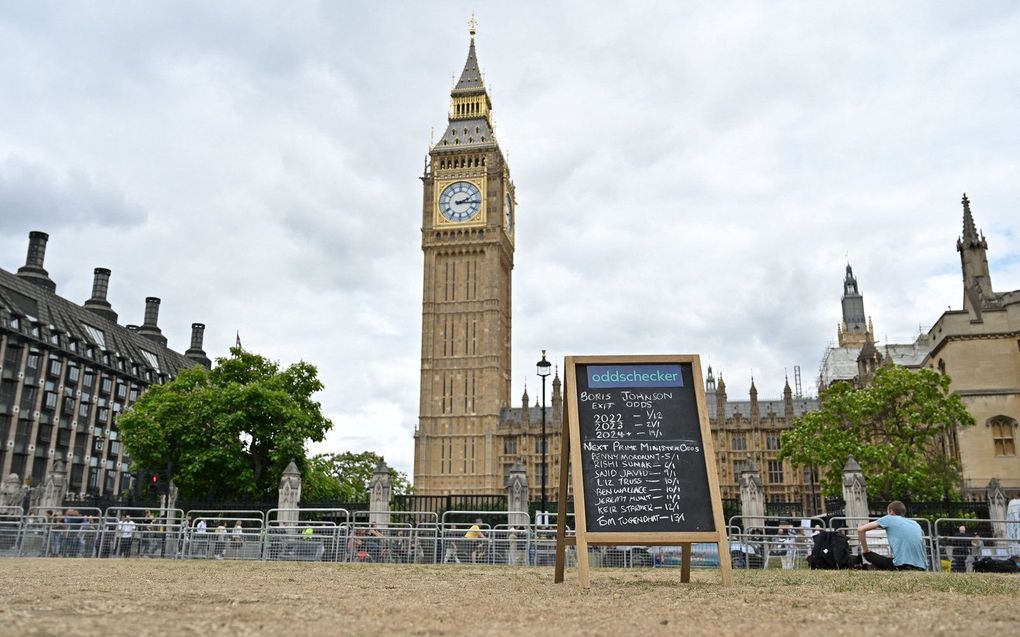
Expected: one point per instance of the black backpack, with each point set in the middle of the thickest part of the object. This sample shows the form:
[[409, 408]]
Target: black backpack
[[992, 565], [831, 551]]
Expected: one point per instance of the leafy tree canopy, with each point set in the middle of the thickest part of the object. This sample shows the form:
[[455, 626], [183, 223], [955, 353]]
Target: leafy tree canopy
[[896, 428], [229, 432], [345, 477]]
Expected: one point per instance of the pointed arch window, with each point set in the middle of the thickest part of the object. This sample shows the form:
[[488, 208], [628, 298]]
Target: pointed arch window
[[739, 442], [1003, 430]]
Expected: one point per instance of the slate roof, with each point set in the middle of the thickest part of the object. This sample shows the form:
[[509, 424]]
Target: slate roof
[[462, 133], [471, 76], [468, 133], [512, 416], [51, 313], [801, 406], [840, 363]]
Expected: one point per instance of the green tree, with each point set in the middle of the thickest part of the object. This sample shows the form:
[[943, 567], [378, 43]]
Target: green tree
[[345, 477], [896, 428], [229, 432]]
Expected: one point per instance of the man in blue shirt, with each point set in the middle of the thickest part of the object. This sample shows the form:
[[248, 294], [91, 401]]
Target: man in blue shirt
[[905, 539]]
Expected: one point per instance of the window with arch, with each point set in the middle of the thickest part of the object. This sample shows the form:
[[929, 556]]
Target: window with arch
[[1002, 435], [738, 442]]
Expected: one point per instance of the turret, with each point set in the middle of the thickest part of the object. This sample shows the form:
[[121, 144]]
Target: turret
[[525, 408], [557, 398], [867, 362], [788, 402], [720, 401], [755, 412], [973, 249]]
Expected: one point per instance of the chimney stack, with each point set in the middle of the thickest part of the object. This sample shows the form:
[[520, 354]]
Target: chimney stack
[[149, 328], [33, 270], [195, 352], [98, 303]]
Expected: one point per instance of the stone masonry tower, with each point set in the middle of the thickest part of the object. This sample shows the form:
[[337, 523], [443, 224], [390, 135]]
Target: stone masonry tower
[[973, 249], [854, 329], [468, 219]]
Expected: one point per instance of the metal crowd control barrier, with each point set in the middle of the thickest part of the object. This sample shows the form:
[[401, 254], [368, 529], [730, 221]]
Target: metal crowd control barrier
[[963, 548], [427, 547], [59, 532], [784, 537], [306, 534], [462, 543], [425, 538], [407, 537], [11, 520], [140, 532], [378, 543], [542, 541], [223, 535]]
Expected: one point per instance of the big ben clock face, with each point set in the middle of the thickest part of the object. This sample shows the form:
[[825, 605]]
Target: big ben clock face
[[508, 214], [460, 201]]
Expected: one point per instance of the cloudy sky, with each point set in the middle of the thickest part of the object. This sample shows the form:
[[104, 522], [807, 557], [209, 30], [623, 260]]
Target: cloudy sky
[[690, 178]]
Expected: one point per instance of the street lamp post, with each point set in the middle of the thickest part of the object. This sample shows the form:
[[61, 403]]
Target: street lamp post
[[543, 372]]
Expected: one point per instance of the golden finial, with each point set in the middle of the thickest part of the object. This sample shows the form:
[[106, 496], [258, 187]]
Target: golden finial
[[473, 24]]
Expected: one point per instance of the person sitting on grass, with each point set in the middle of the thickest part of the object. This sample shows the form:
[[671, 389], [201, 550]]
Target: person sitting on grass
[[906, 540]]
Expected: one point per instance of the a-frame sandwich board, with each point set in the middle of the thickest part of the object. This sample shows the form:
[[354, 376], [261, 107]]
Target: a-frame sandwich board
[[636, 434]]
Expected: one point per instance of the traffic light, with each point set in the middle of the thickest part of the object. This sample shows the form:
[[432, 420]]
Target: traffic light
[[160, 483]]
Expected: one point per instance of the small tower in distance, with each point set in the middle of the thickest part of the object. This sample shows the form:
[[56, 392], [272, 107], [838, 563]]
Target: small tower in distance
[[855, 328]]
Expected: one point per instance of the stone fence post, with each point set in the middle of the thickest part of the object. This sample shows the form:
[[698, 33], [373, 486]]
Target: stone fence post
[[997, 502], [752, 498], [380, 490], [51, 495], [855, 494], [517, 497], [12, 493], [290, 495]]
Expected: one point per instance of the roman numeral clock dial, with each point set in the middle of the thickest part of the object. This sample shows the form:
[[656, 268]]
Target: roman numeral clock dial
[[460, 201]]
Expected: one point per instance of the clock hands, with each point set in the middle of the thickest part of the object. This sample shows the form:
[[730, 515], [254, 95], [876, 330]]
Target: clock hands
[[464, 201]]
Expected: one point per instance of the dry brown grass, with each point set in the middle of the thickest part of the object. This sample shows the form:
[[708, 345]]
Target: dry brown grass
[[148, 597]]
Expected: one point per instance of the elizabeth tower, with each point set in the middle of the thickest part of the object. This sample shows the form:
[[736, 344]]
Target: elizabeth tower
[[467, 238]]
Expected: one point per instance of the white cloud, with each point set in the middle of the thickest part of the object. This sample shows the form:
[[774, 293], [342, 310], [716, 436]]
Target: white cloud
[[690, 178]]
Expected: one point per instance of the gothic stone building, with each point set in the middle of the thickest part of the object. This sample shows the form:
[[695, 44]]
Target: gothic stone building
[[978, 346], [746, 436], [68, 370]]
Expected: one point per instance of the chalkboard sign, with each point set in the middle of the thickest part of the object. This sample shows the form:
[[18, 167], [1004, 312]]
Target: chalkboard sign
[[642, 455], [636, 434]]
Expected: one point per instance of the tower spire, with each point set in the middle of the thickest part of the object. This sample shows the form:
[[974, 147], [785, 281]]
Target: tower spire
[[470, 119], [973, 249], [471, 77], [970, 233]]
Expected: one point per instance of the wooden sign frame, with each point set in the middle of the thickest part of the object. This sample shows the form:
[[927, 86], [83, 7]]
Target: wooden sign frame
[[570, 455]]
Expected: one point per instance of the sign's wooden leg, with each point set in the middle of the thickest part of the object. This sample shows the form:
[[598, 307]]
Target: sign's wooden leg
[[685, 563]]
